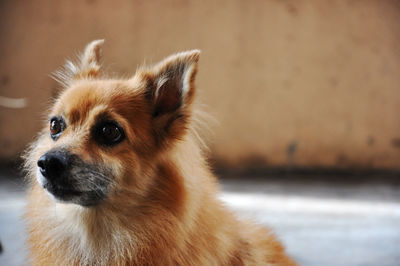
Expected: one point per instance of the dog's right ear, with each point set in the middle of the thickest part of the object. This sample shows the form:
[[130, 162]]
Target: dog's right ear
[[170, 89], [88, 66], [170, 83]]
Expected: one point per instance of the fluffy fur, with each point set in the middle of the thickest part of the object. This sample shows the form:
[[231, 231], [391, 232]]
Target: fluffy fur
[[161, 206]]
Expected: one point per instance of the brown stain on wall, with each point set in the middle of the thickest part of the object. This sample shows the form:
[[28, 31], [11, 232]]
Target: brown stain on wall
[[396, 143], [323, 73]]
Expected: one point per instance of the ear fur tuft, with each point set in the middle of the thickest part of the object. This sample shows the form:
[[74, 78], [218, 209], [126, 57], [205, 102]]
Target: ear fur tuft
[[88, 66]]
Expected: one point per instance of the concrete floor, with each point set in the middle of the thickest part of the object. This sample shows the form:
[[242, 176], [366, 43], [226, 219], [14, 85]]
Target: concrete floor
[[321, 220]]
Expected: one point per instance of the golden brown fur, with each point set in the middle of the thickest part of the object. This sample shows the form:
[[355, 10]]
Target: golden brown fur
[[162, 207]]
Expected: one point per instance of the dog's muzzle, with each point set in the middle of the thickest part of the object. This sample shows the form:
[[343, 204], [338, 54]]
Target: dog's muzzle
[[69, 179]]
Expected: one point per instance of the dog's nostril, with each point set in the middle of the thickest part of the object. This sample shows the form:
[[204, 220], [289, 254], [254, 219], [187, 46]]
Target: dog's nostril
[[52, 165], [42, 165], [41, 162]]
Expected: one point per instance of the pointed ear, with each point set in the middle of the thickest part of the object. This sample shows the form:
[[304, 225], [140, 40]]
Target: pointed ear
[[170, 84], [88, 66], [169, 89], [90, 61]]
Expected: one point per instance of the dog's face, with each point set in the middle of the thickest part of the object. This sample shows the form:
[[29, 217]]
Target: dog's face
[[104, 135]]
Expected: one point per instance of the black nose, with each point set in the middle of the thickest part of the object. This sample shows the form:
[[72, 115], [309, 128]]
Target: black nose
[[53, 164]]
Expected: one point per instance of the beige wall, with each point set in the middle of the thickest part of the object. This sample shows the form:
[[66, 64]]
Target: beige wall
[[306, 83]]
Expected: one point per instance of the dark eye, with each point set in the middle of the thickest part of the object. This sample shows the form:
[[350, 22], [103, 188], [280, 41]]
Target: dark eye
[[108, 133], [56, 127]]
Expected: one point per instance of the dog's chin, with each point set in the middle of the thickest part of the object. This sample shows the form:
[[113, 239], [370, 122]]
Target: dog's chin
[[69, 195], [83, 198]]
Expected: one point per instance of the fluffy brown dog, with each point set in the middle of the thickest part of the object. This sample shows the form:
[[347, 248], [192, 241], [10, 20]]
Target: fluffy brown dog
[[120, 178]]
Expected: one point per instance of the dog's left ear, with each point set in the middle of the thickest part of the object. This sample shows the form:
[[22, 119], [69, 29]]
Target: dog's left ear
[[88, 66], [170, 90], [90, 61]]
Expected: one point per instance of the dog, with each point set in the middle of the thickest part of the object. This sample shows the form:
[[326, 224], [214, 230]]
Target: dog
[[118, 176]]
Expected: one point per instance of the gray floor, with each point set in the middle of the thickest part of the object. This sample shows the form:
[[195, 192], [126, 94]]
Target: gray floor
[[320, 222]]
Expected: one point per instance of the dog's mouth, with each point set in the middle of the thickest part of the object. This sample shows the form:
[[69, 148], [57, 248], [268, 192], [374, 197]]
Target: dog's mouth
[[61, 192], [69, 195]]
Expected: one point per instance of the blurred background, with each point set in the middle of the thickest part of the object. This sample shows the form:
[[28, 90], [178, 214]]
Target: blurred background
[[306, 95]]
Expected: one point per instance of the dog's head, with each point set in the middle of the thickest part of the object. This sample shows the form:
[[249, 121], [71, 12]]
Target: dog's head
[[103, 134]]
